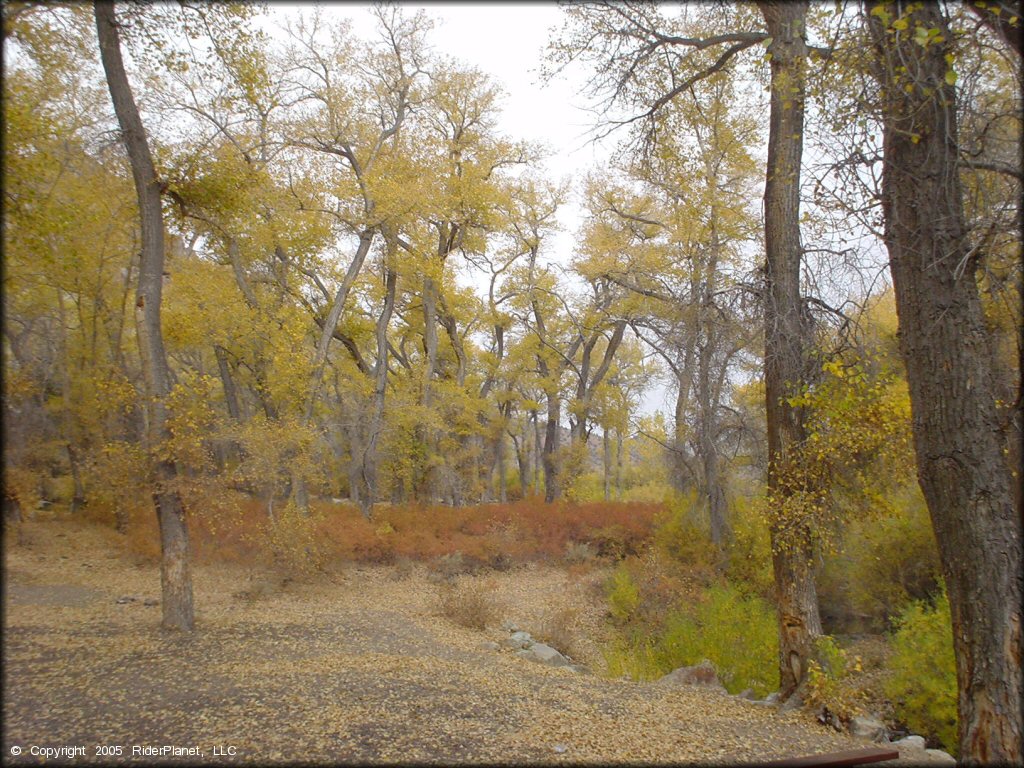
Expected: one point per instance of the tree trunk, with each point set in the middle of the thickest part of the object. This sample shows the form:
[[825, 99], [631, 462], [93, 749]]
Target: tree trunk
[[785, 337], [606, 442], [371, 459], [552, 487], [175, 573], [957, 437], [538, 452], [618, 463]]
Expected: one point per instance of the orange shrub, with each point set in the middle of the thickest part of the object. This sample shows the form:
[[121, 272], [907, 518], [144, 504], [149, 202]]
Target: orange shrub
[[234, 528]]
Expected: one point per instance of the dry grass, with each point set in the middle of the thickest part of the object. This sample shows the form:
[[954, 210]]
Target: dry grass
[[470, 604], [560, 628]]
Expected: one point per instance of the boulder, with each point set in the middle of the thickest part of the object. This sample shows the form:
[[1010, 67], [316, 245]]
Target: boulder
[[702, 674], [869, 728], [545, 654], [915, 742], [938, 756], [509, 626], [512, 643], [523, 637]]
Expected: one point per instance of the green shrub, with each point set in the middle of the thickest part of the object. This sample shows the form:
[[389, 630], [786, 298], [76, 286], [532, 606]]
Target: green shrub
[[922, 680], [831, 682], [895, 559], [886, 561], [735, 631], [622, 593], [749, 553], [678, 535]]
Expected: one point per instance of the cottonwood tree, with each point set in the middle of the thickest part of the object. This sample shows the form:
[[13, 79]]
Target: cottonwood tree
[[943, 340], [643, 60], [175, 565], [675, 241]]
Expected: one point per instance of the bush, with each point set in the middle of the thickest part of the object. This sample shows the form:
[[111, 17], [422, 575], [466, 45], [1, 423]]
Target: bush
[[293, 541], [469, 604], [736, 632], [886, 562], [623, 594], [897, 559], [749, 553], [922, 681], [557, 628], [831, 682], [577, 552]]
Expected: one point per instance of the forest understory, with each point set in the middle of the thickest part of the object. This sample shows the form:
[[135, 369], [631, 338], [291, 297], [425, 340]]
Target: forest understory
[[355, 663]]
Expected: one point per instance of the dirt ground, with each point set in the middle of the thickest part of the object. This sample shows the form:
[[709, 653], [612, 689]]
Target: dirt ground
[[358, 667]]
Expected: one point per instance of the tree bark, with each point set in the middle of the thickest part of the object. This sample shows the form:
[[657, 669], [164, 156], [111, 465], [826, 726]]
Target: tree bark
[[943, 341], [785, 337], [552, 486], [175, 571], [371, 459]]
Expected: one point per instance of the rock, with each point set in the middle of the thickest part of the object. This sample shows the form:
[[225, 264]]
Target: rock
[[939, 756], [579, 669], [702, 674], [509, 626], [522, 637], [869, 728], [747, 693], [545, 654], [560, 749], [124, 599], [489, 645], [512, 643], [915, 742], [772, 697]]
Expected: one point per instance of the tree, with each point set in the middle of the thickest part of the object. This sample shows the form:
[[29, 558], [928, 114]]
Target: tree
[[943, 341], [175, 566], [622, 41]]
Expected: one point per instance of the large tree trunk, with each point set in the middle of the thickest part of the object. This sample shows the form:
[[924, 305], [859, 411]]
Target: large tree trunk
[[175, 573], [957, 437], [785, 338]]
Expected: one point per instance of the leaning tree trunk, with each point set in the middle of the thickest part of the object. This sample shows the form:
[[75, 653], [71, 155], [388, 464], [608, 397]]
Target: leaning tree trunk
[[175, 573], [785, 339], [957, 438]]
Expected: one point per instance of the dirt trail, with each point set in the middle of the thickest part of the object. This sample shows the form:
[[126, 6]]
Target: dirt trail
[[359, 669]]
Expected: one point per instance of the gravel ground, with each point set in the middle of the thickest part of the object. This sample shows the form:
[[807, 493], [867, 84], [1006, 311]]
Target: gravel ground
[[359, 667]]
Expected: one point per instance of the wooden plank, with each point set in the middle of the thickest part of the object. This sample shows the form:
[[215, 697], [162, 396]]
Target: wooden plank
[[838, 759]]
